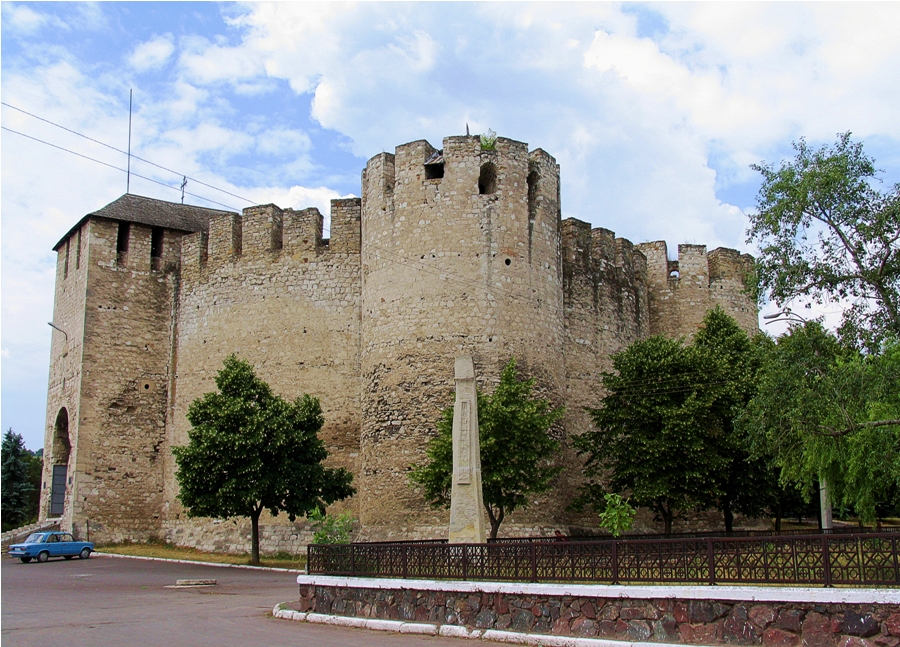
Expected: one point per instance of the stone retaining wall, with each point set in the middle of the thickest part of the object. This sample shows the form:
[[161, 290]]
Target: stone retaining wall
[[745, 618]]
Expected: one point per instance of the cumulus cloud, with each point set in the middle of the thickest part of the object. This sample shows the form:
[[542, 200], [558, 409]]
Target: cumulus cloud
[[22, 20], [152, 53], [654, 112]]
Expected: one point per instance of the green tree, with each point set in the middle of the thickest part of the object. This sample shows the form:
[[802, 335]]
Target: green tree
[[650, 432], [250, 450], [665, 431], [517, 450], [825, 232], [17, 487], [825, 410], [748, 484], [618, 516]]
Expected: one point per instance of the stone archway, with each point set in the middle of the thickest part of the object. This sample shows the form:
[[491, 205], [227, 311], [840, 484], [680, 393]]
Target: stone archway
[[59, 461]]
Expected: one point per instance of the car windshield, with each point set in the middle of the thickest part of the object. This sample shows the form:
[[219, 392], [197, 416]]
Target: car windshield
[[36, 538]]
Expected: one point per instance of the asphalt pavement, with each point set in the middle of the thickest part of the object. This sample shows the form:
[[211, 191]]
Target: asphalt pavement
[[114, 602]]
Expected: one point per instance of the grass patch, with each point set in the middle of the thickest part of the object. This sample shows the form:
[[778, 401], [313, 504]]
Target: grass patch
[[167, 551]]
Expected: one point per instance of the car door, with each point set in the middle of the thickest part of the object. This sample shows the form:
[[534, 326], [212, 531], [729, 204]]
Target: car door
[[53, 545], [67, 544]]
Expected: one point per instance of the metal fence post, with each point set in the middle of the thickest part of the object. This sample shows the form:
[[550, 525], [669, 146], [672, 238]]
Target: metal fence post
[[615, 562], [711, 561], [405, 561], [352, 559], [465, 560], [533, 562], [826, 559]]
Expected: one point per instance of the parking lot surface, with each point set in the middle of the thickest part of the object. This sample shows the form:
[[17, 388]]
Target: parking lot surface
[[113, 602]]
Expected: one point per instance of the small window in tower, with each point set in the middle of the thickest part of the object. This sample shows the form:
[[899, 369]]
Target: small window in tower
[[156, 247], [533, 178], [434, 166], [66, 259], [487, 180], [122, 241], [78, 250]]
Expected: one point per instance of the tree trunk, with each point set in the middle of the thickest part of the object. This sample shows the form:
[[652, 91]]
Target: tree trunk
[[254, 536], [778, 522], [667, 515], [495, 520], [729, 517]]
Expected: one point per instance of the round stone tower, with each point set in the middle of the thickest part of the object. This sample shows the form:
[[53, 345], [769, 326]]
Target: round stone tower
[[460, 256]]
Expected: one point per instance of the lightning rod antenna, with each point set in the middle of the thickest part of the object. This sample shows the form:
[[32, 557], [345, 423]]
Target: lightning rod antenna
[[128, 181]]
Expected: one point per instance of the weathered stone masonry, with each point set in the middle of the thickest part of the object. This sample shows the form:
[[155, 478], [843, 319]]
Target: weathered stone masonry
[[665, 619], [448, 252]]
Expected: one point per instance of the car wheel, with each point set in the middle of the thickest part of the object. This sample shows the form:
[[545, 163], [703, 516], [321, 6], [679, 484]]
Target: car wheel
[[85, 553], [43, 556], [25, 560]]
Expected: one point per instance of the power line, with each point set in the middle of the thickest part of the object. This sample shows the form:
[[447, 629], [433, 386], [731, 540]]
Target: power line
[[118, 150], [168, 186]]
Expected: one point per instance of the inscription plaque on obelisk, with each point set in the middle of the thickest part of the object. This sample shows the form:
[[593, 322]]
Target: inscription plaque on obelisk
[[466, 508]]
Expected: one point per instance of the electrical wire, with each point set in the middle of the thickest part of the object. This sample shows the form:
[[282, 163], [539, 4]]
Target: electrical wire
[[397, 258], [168, 186], [118, 150]]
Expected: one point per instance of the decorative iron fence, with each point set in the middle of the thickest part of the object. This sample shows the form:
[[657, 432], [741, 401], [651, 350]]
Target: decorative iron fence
[[826, 559]]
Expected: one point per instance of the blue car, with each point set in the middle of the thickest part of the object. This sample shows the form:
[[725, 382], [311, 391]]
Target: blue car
[[44, 545]]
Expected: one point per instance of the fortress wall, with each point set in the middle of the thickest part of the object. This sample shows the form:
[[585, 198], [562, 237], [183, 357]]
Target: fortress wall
[[293, 312], [728, 271], [66, 350], [449, 271], [681, 291], [604, 286], [121, 426]]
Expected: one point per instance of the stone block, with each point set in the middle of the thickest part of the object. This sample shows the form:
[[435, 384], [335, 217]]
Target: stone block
[[892, 624], [739, 629], [584, 627], [485, 619], [762, 615], [639, 630], [790, 619], [774, 637], [859, 624]]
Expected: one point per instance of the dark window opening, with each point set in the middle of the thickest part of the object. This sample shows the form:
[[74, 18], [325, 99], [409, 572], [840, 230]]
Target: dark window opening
[[434, 171], [487, 180], [122, 241], [434, 165], [78, 251], [156, 247], [66, 260], [533, 179]]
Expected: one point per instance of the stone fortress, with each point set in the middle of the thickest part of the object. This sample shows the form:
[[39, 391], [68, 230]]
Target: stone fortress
[[458, 251]]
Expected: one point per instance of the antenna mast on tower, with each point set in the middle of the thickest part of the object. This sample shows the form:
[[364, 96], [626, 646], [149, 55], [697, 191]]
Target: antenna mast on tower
[[128, 181]]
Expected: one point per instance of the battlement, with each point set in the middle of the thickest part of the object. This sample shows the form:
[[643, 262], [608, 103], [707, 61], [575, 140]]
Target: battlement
[[694, 265], [599, 254], [684, 289], [269, 230], [419, 172]]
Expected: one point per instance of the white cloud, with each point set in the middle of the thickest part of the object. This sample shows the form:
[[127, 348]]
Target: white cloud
[[23, 20], [649, 131], [152, 54]]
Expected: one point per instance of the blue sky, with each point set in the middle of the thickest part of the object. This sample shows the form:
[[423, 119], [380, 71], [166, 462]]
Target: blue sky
[[654, 112]]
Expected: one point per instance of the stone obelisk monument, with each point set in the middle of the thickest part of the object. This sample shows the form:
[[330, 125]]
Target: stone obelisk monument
[[466, 507]]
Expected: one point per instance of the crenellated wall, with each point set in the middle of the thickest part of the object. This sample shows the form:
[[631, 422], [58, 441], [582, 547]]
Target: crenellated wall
[[451, 251], [681, 291], [266, 286]]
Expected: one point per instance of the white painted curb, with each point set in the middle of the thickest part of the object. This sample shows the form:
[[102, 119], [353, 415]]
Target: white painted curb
[[819, 595], [457, 631], [196, 563]]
